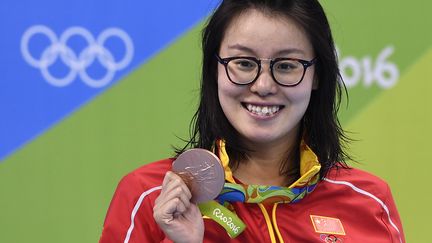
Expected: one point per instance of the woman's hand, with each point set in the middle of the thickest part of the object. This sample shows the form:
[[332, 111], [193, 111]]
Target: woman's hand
[[178, 218]]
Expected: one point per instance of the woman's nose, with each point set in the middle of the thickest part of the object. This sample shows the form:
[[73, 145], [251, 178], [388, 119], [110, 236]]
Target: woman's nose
[[264, 85]]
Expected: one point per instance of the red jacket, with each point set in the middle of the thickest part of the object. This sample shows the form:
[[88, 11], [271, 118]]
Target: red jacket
[[349, 205]]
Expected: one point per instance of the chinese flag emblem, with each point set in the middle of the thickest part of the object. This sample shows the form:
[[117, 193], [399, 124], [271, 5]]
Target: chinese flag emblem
[[327, 225]]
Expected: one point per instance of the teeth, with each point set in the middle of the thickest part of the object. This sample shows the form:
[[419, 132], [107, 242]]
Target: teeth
[[263, 110], [249, 107]]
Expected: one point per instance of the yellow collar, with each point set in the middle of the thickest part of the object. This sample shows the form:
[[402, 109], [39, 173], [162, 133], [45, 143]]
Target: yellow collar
[[309, 165]]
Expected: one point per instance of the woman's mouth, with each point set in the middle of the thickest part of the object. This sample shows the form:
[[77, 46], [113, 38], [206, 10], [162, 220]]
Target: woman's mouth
[[262, 110]]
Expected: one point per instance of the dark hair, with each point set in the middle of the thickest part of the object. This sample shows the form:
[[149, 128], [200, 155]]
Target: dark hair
[[320, 127]]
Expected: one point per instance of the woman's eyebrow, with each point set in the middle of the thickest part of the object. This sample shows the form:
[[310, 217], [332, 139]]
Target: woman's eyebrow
[[289, 51], [241, 48], [278, 53]]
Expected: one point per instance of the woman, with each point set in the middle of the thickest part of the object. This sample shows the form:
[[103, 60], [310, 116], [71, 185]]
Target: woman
[[269, 97]]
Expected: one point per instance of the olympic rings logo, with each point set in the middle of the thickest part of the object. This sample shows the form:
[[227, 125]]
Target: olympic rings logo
[[77, 62], [330, 238]]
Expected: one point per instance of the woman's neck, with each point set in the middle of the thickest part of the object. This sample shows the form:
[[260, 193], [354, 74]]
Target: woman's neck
[[263, 166]]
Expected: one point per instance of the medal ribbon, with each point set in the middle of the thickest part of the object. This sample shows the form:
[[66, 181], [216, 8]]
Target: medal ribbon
[[233, 192], [264, 194]]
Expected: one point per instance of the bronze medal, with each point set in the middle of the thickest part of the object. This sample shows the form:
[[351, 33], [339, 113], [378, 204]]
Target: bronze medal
[[202, 172]]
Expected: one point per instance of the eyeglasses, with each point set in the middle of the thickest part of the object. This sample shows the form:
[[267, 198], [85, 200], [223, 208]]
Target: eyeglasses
[[287, 72]]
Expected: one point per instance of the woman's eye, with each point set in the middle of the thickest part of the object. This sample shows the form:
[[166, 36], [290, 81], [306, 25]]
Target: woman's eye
[[286, 66], [245, 64]]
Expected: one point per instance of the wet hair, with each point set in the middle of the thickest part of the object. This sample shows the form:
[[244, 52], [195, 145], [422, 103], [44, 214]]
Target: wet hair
[[319, 127]]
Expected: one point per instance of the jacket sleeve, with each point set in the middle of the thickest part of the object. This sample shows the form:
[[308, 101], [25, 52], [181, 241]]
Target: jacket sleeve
[[130, 215], [392, 219]]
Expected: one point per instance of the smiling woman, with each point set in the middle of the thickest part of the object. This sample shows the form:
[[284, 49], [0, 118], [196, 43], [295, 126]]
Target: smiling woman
[[247, 107], [269, 97]]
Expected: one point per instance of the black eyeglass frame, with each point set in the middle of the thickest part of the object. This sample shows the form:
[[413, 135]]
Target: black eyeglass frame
[[305, 63]]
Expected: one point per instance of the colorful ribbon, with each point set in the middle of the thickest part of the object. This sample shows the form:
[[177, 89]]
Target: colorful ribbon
[[232, 192], [263, 194]]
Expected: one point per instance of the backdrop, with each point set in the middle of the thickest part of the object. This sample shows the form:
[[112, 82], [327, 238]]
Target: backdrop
[[90, 90]]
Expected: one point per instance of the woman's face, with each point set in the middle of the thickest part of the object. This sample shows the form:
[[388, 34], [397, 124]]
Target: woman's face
[[265, 113]]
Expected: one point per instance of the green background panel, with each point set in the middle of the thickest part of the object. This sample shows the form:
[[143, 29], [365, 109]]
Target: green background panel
[[58, 188], [393, 136], [365, 28]]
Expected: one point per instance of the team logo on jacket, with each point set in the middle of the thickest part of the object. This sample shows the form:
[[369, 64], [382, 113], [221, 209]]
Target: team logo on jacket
[[327, 225]]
